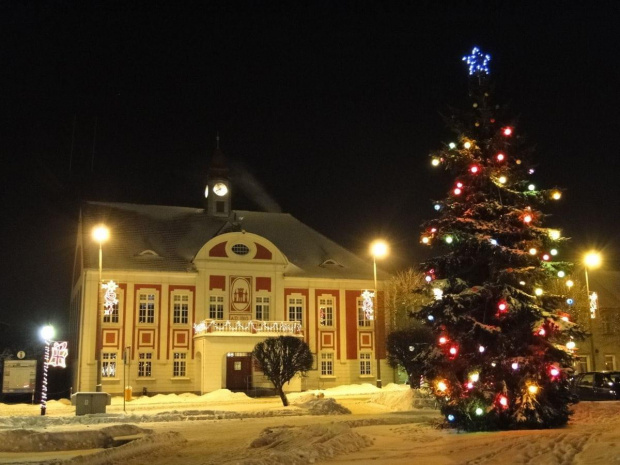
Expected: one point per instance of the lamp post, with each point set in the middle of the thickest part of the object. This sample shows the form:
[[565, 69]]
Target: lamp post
[[100, 234], [378, 249], [47, 334], [591, 260]]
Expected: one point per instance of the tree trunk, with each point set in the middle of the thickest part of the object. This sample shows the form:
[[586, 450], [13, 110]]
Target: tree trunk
[[280, 392]]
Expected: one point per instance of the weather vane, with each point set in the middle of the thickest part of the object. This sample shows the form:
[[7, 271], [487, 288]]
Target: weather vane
[[478, 62]]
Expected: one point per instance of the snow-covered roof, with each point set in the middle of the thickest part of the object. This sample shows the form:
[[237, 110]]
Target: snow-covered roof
[[163, 238]]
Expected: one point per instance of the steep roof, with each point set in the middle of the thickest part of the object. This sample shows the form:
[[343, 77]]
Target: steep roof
[[161, 238]]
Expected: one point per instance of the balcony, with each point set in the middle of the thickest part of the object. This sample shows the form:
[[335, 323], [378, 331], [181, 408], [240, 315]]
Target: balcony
[[227, 327]]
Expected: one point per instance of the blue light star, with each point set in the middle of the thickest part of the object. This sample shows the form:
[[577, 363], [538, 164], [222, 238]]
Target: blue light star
[[478, 62]]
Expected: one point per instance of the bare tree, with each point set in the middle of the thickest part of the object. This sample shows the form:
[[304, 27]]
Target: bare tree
[[401, 298], [281, 358]]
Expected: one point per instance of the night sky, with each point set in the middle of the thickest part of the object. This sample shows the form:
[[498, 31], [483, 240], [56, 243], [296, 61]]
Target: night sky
[[329, 108]]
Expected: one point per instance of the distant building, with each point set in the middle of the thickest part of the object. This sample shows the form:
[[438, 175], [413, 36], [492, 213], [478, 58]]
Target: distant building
[[199, 288], [605, 327]]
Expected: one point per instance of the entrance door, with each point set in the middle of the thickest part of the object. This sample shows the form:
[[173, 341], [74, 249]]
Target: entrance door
[[239, 372]]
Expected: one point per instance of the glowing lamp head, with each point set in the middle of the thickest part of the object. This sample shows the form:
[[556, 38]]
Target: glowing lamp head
[[507, 131], [47, 333], [101, 233], [435, 162], [532, 389], [570, 345], [500, 157], [379, 249], [592, 259]]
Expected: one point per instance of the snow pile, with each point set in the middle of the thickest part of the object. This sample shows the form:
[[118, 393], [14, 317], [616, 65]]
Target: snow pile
[[287, 445], [401, 398], [323, 406], [221, 395]]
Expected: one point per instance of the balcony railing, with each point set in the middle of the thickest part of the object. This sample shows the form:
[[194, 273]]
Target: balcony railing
[[251, 327]]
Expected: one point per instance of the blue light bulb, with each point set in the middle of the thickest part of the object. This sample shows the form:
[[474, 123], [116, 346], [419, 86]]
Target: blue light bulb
[[450, 417]]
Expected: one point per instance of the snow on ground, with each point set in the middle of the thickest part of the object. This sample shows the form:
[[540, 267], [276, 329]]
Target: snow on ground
[[225, 428]]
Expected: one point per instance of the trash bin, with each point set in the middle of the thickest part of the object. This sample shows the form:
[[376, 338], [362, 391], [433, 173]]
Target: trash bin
[[90, 402], [128, 392]]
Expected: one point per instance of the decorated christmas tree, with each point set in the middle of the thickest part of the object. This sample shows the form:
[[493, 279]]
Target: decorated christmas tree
[[503, 345]]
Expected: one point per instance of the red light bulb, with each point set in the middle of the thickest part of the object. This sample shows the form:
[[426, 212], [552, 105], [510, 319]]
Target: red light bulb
[[507, 131], [500, 157]]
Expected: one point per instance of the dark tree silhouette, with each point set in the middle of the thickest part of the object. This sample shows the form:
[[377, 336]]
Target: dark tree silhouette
[[281, 358]]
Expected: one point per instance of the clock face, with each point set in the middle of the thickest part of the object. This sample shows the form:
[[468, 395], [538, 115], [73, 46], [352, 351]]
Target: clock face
[[220, 189]]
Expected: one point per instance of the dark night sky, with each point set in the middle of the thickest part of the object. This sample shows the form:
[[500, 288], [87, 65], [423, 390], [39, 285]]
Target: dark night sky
[[332, 106]]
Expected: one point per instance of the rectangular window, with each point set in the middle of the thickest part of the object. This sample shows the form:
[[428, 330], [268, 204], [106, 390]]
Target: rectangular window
[[180, 308], [216, 307], [610, 362], [326, 311], [365, 364], [262, 308], [179, 366], [582, 363], [144, 364], [362, 319], [112, 316], [607, 323], [146, 309], [108, 365], [327, 364], [295, 309]]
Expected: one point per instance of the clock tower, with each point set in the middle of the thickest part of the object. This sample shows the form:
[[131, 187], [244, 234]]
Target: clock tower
[[217, 191]]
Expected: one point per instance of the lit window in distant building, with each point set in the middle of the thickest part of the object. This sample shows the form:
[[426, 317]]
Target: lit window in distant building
[[262, 308], [295, 309], [144, 364], [180, 308], [108, 365], [179, 365], [365, 369], [326, 311], [216, 307], [327, 364], [146, 309]]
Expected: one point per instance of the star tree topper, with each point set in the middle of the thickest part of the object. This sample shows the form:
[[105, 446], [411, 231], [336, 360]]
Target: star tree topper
[[478, 62]]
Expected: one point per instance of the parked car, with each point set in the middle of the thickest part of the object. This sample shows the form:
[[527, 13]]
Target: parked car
[[597, 385]]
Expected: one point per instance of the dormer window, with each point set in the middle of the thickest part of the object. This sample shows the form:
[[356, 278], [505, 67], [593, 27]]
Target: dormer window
[[148, 253], [240, 249], [330, 263]]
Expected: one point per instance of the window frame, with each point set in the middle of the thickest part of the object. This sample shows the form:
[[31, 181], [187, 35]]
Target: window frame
[[179, 364], [362, 321], [262, 302], [365, 363], [216, 306], [295, 306], [109, 359], [145, 364], [183, 313], [327, 364], [326, 310], [146, 315]]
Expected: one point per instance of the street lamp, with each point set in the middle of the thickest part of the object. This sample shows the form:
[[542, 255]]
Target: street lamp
[[100, 234], [591, 260], [378, 249], [47, 334]]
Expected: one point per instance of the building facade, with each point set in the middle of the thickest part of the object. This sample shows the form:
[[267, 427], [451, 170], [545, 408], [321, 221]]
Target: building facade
[[197, 289]]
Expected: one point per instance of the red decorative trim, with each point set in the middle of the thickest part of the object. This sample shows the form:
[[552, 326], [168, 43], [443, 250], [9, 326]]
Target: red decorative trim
[[137, 289], [336, 295], [181, 338], [305, 293], [262, 252], [365, 340], [111, 337], [327, 339], [190, 318], [146, 338], [351, 322], [217, 282], [218, 250], [263, 284]]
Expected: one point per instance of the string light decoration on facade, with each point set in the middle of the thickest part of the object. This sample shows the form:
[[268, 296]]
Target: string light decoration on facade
[[59, 355], [486, 292], [368, 305], [110, 299]]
